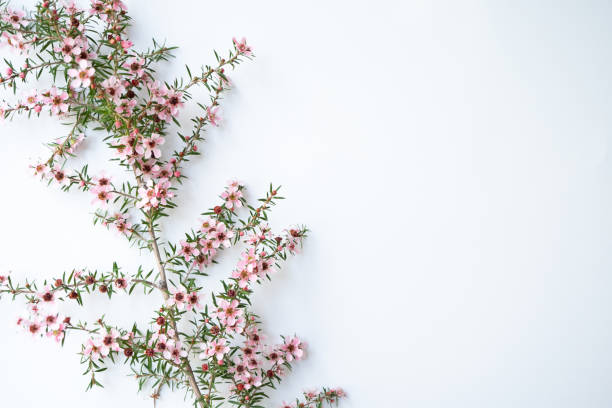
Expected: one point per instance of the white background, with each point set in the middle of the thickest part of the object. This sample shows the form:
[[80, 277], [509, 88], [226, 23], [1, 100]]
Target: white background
[[452, 161]]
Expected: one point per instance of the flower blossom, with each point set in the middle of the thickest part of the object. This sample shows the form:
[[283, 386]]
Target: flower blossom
[[150, 146], [213, 115], [82, 76], [228, 312], [135, 66], [178, 298], [13, 17], [292, 349], [94, 349], [57, 101], [242, 47], [216, 348], [232, 197]]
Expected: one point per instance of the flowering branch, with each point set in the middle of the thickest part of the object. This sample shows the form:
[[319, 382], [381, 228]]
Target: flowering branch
[[215, 351]]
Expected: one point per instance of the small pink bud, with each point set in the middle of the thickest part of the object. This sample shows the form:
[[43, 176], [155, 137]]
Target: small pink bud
[[9, 71], [37, 108], [177, 174], [22, 75], [117, 124]]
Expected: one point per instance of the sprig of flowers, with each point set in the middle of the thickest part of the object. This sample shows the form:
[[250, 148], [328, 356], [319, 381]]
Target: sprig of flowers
[[209, 344]]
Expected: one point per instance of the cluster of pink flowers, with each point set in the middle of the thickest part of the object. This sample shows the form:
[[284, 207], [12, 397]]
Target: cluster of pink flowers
[[316, 398], [183, 300], [230, 315], [100, 346], [251, 267], [153, 194], [164, 344], [43, 318], [117, 92], [54, 99], [15, 42], [102, 190], [213, 236], [254, 357], [120, 223], [104, 9]]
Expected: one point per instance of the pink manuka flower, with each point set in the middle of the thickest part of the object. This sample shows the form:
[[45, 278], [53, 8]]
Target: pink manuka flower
[[275, 357], [292, 349], [114, 88], [178, 298], [33, 327], [121, 283], [150, 146], [242, 47], [174, 102], [102, 195], [254, 337], [253, 381], [94, 348], [201, 260], [13, 17], [208, 225], [31, 98], [15, 41], [57, 101], [209, 247], [162, 190], [148, 169], [188, 249], [248, 260], [135, 66], [57, 333], [221, 236], [76, 142], [59, 175], [123, 227], [69, 48], [47, 296], [109, 342], [237, 327], [232, 198], [244, 277], [103, 181], [174, 351], [82, 76], [51, 321], [228, 312], [193, 301], [265, 267], [161, 342], [148, 195], [216, 348], [239, 369], [213, 115]]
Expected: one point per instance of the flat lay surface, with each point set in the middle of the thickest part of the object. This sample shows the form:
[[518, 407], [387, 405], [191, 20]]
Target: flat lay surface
[[452, 162]]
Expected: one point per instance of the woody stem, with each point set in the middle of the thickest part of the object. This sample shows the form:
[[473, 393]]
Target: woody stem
[[164, 284]]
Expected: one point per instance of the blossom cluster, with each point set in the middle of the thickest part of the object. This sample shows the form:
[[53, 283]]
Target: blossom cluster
[[210, 345]]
